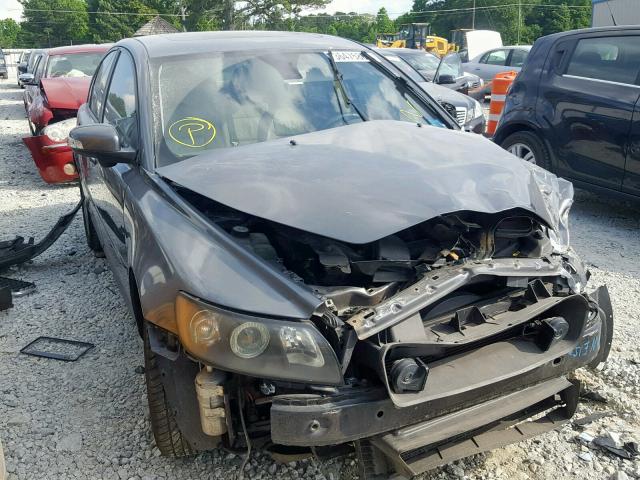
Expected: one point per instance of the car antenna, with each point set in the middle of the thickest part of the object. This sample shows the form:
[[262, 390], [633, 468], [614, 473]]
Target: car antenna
[[613, 19], [437, 72]]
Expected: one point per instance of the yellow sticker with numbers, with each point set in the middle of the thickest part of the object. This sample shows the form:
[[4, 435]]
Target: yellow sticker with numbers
[[192, 132]]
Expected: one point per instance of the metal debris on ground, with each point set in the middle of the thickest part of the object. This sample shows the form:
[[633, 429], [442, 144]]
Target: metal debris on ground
[[586, 456], [16, 251], [612, 444], [585, 438], [19, 288], [6, 301], [593, 396], [57, 348], [586, 420]]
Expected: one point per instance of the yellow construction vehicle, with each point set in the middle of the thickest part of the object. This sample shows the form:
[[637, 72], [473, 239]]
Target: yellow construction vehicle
[[436, 45], [418, 36], [390, 40]]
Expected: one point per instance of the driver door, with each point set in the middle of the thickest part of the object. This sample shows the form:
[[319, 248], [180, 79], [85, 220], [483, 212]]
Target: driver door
[[106, 184]]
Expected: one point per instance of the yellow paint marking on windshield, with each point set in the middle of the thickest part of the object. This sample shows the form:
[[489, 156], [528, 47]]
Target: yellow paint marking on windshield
[[192, 132]]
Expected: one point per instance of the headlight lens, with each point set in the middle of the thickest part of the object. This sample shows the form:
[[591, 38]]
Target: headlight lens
[[476, 111], [264, 348], [59, 131], [249, 339]]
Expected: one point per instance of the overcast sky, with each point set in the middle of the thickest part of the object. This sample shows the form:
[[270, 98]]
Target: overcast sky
[[11, 8], [395, 7]]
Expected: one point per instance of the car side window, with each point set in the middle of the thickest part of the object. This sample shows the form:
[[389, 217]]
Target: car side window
[[39, 68], [96, 97], [614, 59], [518, 58], [121, 101], [496, 57]]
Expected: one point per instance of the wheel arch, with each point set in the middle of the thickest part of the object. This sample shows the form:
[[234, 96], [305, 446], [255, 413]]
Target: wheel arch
[[504, 132], [136, 306]]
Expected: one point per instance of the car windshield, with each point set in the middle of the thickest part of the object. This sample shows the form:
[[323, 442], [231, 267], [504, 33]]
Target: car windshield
[[234, 99], [73, 65], [427, 65]]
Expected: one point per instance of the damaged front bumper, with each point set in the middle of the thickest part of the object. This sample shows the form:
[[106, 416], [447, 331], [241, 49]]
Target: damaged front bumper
[[54, 160], [473, 401]]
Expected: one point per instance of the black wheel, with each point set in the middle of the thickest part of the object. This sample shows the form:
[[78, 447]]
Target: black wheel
[[93, 242], [529, 147], [169, 438]]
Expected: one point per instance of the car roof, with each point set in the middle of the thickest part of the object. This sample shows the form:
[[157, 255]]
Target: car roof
[[79, 49], [610, 29], [172, 44]]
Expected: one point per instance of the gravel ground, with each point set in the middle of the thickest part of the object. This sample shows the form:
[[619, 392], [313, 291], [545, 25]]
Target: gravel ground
[[89, 419]]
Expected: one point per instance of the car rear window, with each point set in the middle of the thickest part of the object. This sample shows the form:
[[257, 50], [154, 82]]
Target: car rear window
[[73, 65], [615, 59]]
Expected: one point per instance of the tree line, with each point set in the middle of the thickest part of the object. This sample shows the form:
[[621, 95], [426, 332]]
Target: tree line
[[62, 22]]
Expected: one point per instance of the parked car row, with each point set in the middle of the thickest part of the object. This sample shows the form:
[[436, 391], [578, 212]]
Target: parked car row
[[467, 111], [4, 73]]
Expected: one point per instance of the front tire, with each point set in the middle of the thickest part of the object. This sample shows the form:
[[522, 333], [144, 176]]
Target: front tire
[[167, 434], [529, 147]]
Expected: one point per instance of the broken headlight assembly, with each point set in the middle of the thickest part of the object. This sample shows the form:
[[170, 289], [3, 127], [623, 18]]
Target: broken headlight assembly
[[557, 196], [475, 112], [258, 347], [59, 131]]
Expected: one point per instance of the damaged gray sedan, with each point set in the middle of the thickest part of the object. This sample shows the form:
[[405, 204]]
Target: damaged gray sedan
[[319, 260]]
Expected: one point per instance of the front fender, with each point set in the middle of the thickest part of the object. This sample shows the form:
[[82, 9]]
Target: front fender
[[173, 248]]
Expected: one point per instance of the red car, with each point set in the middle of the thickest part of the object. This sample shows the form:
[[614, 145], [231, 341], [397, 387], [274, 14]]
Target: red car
[[60, 85]]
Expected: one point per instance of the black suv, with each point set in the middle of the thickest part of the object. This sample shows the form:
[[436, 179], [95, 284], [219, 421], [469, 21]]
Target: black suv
[[574, 109]]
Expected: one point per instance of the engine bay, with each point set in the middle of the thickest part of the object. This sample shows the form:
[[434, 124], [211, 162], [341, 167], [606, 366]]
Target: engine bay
[[354, 280]]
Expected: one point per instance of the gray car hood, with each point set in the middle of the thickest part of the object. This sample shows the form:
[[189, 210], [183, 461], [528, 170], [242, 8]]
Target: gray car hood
[[362, 182]]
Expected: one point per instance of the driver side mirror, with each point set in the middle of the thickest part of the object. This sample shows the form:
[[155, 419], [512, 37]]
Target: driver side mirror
[[101, 140], [446, 79]]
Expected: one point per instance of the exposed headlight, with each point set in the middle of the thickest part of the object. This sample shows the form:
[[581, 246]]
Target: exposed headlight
[[475, 112], [258, 347], [59, 131]]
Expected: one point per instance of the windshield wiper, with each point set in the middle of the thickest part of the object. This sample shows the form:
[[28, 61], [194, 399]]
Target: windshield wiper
[[397, 79], [339, 80]]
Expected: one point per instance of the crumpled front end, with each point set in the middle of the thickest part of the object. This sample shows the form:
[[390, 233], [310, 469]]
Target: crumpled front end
[[454, 336], [51, 153]]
